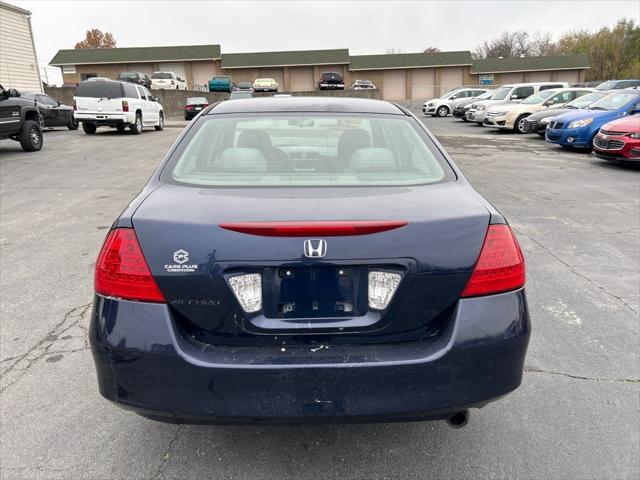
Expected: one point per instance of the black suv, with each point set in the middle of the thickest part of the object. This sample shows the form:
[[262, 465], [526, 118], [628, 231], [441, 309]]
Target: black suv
[[331, 81], [20, 120], [135, 77]]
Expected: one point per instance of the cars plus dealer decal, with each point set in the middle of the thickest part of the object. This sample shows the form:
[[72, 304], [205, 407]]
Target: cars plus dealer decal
[[180, 257]]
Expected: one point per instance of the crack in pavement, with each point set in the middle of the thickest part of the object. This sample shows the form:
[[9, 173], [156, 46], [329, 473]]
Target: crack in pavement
[[579, 377], [44, 346], [574, 270], [167, 454]]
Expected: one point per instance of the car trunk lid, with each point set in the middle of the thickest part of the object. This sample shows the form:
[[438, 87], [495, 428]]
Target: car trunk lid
[[439, 233]]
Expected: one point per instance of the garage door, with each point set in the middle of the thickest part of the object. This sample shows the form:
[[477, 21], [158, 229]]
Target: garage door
[[202, 73], [512, 78], [422, 84], [177, 68], [301, 79], [276, 73], [539, 77], [394, 85], [450, 79], [571, 76]]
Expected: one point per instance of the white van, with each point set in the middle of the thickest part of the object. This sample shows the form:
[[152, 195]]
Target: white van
[[116, 104], [515, 92]]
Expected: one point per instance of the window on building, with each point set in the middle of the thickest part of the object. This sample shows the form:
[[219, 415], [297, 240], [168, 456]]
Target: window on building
[[486, 79]]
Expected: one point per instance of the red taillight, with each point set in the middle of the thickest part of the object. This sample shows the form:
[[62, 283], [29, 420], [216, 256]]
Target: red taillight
[[188, 107], [205, 105], [307, 229], [500, 267], [122, 271], [125, 106], [75, 108]]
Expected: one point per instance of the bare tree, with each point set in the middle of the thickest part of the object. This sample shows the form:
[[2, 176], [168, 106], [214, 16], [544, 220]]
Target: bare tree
[[96, 39], [432, 50]]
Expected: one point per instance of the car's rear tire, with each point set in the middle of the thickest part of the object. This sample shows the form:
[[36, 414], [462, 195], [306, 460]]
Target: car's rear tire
[[464, 119], [89, 128], [442, 111], [519, 126], [120, 127], [73, 124], [31, 136], [136, 127], [160, 125]]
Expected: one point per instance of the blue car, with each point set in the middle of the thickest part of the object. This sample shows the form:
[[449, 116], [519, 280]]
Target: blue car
[[577, 129], [298, 260]]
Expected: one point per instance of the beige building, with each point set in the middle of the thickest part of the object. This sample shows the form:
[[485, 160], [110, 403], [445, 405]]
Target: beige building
[[414, 76], [295, 71], [18, 61], [561, 68], [402, 76], [194, 63]]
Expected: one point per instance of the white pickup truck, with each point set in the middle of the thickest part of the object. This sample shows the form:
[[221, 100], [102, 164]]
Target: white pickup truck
[[116, 104], [167, 80]]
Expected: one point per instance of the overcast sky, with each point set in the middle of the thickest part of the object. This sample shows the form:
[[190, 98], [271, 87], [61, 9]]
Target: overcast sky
[[368, 26]]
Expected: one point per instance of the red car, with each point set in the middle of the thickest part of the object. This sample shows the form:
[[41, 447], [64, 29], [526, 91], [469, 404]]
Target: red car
[[619, 140]]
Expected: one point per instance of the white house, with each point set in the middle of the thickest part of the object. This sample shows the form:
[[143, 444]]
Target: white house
[[18, 61]]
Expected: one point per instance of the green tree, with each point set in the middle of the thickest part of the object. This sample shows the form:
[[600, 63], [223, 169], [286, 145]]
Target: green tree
[[96, 39], [613, 52]]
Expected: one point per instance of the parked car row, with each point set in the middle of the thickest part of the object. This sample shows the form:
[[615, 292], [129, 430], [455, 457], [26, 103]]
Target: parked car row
[[605, 121], [327, 81]]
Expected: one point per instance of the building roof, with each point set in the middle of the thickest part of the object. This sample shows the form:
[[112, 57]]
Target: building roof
[[410, 60], [297, 104], [287, 58], [82, 56], [8, 6], [528, 64]]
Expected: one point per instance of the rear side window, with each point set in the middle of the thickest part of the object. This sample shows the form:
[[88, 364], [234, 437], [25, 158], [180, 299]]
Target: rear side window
[[522, 92], [548, 87], [130, 90], [98, 89], [306, 150]]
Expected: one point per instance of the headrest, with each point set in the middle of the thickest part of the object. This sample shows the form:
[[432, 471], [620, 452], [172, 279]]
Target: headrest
[[373, 160], [242, 160], [254, 139]]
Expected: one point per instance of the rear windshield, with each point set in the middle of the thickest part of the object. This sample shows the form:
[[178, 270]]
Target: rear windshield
[[129, 75], [162, 76], [224, 79], [99, 89], [309, 150], [244, 84], [196, 101]]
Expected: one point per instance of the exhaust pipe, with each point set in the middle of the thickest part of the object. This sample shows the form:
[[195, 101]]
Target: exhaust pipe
[[458, 419]]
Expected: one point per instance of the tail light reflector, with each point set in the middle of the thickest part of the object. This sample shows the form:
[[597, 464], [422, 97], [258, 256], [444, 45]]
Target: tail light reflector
[[188, 107], [500, 267], [122, 271], [382, 287], [248, 290], [125, 106], [314, 228]]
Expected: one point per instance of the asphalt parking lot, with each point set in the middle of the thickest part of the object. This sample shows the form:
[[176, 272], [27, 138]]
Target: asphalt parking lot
[[577, 414]]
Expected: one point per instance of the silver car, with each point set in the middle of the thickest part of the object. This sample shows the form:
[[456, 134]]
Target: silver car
[[444, 105]]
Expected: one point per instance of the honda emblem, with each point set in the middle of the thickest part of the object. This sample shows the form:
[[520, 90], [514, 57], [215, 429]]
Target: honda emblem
[[315, 248]]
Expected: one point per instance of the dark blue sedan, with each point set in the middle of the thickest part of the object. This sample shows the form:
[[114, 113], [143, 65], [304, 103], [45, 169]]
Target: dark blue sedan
[[298, 260]]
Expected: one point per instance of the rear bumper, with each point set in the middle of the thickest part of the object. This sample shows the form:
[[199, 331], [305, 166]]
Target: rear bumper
[[331, 86], [105, 119], [145, 364]]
